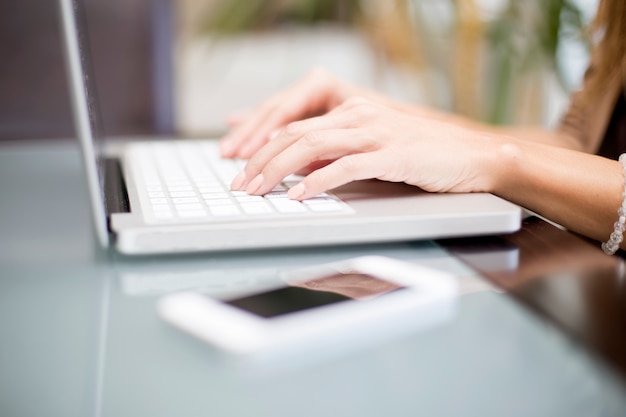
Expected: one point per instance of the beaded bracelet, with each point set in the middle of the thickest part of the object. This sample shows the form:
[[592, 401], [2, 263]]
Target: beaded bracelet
[[612, 245]]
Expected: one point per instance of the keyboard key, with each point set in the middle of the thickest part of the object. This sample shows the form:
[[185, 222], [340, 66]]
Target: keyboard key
[[163, 215], [189, 207], [160, 207], [249, 199], [277, 195], [192, 214], [318, 200], [257, 208], [287, 206], [179, 188], [210, 189], [182, 194], [214, 196], [218, 202], [185, 200], [325, 206], [225, 210]]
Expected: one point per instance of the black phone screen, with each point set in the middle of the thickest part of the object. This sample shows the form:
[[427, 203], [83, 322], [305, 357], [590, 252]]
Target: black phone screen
[[315, 293]]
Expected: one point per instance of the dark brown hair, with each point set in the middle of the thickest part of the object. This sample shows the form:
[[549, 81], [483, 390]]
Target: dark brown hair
[[608, 32]]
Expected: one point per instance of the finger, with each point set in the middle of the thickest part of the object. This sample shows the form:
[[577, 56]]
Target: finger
[[238, 118], [258, 130], [250, 136], [312, 167], [309, 97], [279, 143], [299, 105], [344, 170], [250, 129], [314, 146]]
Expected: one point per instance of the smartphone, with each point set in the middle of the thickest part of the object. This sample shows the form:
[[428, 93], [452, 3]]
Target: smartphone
[[359, 295]]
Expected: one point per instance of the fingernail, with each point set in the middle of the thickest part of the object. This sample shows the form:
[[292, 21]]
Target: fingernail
[[255, 184], [296, 191], [238, 181]]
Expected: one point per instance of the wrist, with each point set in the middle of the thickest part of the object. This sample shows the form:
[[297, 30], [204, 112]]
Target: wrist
[[500, 165]]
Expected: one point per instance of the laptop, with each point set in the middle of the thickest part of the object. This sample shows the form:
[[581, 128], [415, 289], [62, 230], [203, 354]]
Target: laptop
[[172, 196]]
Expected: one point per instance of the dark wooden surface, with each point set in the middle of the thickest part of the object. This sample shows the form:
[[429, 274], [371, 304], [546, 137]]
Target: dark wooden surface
[[562, 277]]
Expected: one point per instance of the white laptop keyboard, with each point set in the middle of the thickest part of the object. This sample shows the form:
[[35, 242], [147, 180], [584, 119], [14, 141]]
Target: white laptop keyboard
[[188, 180]]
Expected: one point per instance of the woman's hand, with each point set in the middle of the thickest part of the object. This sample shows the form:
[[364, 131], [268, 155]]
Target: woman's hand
[[361, 139], [316, 94]]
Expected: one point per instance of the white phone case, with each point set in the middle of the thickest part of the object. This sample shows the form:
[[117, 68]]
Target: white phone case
[[427, 297]]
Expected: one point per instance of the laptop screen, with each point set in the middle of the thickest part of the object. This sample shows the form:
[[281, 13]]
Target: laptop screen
[[84, 107]]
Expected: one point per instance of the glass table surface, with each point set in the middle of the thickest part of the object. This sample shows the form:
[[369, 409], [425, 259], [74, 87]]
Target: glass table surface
[[81, 335]]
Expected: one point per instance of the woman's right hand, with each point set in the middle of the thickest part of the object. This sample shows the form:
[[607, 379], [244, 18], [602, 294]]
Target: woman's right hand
[[316, 94]]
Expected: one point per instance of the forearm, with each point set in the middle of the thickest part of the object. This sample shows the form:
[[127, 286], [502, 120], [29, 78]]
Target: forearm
[[579, 191], [527, 133]]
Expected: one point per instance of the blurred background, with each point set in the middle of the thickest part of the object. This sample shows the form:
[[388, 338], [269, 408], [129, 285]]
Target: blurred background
[[181, 66]]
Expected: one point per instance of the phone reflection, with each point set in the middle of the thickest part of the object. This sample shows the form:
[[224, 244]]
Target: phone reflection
[[355, 285], [312, 293]]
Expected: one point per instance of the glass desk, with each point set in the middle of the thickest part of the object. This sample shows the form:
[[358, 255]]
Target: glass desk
[[80, 335]]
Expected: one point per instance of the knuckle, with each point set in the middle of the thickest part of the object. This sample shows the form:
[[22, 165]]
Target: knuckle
[[254, 164], [292, 129], [367, 110], [348, 166], [370, 143], [362, 107], [357, 101], [311, 139]]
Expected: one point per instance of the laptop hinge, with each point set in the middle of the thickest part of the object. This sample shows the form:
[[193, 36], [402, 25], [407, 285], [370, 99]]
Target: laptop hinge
[[115, 193]]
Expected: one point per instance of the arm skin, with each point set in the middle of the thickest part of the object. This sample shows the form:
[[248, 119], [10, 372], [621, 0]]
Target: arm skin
[[339, 133]]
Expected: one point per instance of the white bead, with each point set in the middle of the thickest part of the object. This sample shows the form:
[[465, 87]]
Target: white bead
[[612, 245], [617, 237], [608, 248]]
